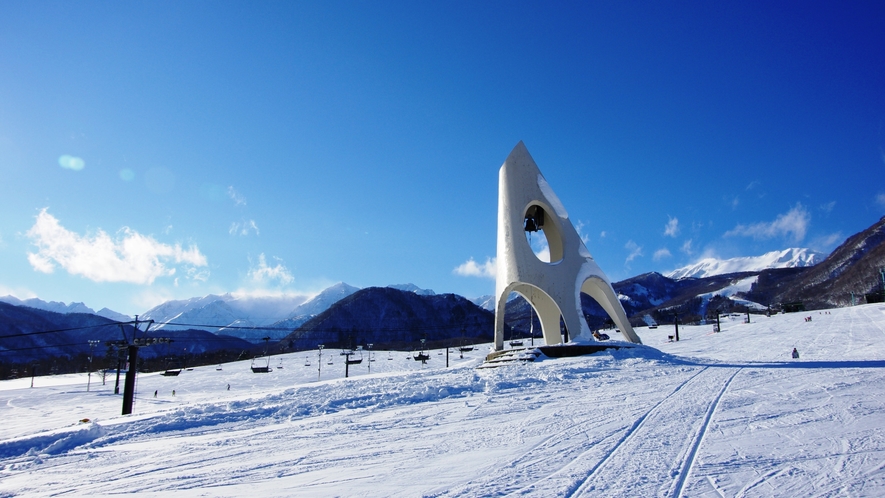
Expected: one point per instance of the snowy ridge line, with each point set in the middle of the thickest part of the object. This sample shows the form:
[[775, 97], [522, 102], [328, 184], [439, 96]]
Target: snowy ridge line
[[580, 488], [51, 443], [689, 461]]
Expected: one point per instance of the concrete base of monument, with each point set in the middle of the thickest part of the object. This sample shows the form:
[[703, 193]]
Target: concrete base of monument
[[569, 350], [498, 358]]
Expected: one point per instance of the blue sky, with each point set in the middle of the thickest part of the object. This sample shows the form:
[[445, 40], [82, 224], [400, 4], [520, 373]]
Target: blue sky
[[159, 150]]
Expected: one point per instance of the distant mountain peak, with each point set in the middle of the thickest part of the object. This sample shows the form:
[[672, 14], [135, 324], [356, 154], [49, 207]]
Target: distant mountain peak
[[787, 258], [54, 306], [413, 288]]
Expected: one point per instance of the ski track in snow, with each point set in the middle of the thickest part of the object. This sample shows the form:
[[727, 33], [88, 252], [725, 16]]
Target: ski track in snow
[[724, 414]]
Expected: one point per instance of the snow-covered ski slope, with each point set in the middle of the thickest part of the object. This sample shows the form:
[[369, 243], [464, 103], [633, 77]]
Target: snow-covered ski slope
[[716, 414]]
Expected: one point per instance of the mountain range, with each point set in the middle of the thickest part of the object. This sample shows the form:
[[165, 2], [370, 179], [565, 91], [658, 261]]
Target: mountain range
[[59, 307], [343, 313]]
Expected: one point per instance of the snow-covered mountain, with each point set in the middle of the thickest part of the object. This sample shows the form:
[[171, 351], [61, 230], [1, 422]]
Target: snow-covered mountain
[[60, 307], [787, 258], [486, 302], [322, 301], [413, 288], [316, 305], [214, 311], [113, 315]]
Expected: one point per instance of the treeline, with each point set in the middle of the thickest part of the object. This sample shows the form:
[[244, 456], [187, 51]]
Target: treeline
[[58, 365]]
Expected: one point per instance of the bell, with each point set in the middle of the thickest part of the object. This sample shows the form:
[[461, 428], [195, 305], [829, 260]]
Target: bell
[[530, 224]]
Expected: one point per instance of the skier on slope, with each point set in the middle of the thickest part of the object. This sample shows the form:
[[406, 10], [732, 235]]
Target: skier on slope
[[795, 354]]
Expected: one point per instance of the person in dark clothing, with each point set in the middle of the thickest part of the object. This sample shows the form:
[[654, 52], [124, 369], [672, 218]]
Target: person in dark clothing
[[795, 354]]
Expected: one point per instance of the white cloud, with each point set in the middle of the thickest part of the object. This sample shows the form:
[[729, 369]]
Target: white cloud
[[686, 247], [130, 257], [71, 162], [243, 228], [828, 207], [793, 223], [579, 227], [635, 251], [238, 199], [265, 274], [661, 254], [602, 234], [672, 227], [880, 199], [471, 268], [196, 274]]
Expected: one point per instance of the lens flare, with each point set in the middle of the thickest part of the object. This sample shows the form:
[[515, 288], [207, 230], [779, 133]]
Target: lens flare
[[71, 162]]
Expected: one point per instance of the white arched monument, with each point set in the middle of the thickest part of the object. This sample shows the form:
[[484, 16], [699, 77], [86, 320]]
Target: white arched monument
[[526, 203]]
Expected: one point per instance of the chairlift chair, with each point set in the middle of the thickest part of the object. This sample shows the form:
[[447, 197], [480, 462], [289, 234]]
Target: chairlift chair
[[257, 366], [356, 361]]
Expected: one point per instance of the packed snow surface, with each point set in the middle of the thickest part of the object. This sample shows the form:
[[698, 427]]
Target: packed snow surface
[[715, 414]]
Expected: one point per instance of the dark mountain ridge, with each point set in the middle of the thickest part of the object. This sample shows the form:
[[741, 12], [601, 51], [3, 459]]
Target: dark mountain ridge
[[59, 342], [390, 318]]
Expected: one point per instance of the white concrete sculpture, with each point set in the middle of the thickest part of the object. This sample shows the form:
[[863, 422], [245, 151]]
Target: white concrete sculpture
[[527, 203]]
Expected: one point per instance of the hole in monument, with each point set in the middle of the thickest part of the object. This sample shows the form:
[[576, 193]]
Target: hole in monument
[[535, 235], [525, 327]]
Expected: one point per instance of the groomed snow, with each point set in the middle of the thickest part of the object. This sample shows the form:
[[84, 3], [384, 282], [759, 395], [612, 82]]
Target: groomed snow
[[716, 414]]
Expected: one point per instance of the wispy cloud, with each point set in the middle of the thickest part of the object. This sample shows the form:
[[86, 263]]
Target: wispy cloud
[[880, 199], [238, 198], [826, 243], [129, 257], [661, 254], [672, 227], [471, 268], [793, 223], [541, 248], [828, 207], [264, 274], [635, 251], [19, 292], [243, 228], [579, 227], [686, 247]]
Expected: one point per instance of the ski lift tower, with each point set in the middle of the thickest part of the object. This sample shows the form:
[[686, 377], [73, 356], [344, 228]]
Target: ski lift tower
[[132, 345]]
